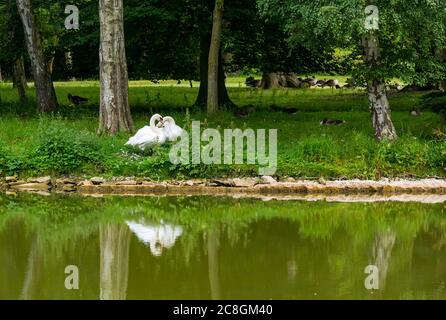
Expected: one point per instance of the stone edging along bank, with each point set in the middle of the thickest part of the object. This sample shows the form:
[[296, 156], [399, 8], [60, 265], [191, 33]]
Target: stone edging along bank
[[244, 186]]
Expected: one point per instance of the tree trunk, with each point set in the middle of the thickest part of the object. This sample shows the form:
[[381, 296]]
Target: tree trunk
[[214, 58], [114, 114], [379, 104], [51, 64], [69, 64], [115, 247], [20, 65], [382, 123], [19, 79], [274, 80], [45, 94], [442, 57], [223, 96]]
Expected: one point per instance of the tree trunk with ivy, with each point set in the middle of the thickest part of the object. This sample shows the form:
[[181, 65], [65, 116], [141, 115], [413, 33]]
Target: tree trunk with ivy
[[114, 114], [45, 93]]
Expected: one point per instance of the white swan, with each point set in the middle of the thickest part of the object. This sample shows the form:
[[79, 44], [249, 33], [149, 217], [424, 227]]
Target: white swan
[[157, 237], [149, 136], [171, 130]]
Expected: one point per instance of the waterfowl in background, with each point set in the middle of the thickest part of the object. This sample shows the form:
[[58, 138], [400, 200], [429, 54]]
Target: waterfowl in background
[[331, 122], [76, 100]]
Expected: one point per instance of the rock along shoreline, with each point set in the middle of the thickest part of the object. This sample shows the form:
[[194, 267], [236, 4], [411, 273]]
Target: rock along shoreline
[[262, 187]]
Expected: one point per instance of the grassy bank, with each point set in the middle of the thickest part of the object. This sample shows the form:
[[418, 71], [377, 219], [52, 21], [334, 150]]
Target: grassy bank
[[66, 142]]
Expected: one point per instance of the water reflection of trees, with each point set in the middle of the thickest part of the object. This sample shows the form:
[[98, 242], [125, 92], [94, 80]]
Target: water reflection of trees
[[115, 245], [322, 246]]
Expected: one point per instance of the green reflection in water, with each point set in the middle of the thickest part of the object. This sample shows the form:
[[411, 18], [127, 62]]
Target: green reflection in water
[[218, 248]]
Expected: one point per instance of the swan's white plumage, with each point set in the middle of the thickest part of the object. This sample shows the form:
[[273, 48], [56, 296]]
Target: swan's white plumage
[[149, 136], [157, 236], [171, 130]]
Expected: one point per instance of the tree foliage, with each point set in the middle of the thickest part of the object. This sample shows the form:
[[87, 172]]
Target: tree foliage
[[410, 32]]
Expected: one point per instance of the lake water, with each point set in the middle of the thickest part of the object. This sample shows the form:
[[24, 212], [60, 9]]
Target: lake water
[[218, 248]]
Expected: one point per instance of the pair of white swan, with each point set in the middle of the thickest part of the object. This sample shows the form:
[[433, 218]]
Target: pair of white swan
[[161, 130]]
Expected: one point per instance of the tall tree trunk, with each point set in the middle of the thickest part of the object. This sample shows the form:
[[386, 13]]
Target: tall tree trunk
[[19, 79], [46, 97], [115, 247], [214, 57], [379, 104], [223, 96], [20, 65], [273, 80], [114, 114], [51, 64], [442, 57], [69, 64], [381, 120]]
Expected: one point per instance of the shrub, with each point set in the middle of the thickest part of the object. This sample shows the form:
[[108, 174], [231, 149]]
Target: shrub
[[3, 161], [436, 154], [9, 164], [64, 150], [318, 149]]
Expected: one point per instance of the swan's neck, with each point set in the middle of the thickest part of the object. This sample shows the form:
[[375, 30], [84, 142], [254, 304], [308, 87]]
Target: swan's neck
[[170, 121], [153, 123]]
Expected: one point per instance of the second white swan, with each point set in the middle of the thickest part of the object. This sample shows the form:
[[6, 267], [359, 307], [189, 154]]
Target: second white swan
[[171, 130]]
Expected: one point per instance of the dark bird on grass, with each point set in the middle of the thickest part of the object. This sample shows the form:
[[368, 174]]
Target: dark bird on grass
[[320, 83], [76, 100], [331, 83], [252, 83], [331, 122], [244, 111], [288, 110], [275, 108], [311, 80], [415, 112]]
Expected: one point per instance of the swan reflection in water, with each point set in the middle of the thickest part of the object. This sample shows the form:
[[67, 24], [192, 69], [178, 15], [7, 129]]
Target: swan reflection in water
[[157, 236]]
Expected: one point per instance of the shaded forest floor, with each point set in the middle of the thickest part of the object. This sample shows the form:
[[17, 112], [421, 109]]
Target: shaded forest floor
[[66, 143]]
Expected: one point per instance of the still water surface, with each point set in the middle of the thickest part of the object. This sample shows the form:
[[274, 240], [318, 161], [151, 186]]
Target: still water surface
[[219, 248]]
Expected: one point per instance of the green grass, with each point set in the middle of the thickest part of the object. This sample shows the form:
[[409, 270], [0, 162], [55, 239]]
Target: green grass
[[66, 142]]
